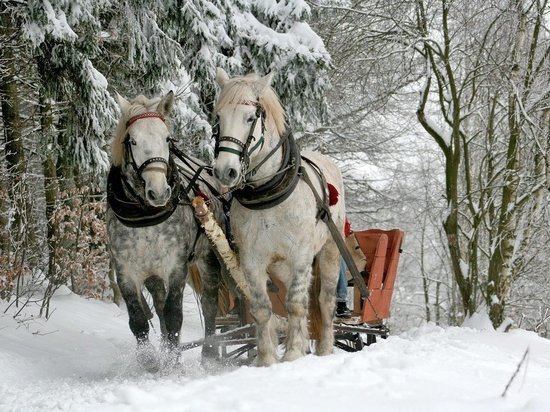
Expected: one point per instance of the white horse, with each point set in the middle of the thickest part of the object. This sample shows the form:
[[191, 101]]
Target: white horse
[[275, 218]]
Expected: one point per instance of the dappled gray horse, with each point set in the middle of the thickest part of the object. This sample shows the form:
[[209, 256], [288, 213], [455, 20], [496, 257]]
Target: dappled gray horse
[[153, 234]]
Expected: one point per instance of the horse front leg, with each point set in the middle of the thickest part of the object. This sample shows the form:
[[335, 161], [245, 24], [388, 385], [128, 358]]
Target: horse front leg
[[209, 268], [131, 293], [155, 286], [261, 311], [173, 313], [297, 341]]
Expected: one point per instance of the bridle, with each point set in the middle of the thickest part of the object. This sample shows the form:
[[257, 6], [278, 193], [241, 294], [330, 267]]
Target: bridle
[[245, 150], [129, 142]]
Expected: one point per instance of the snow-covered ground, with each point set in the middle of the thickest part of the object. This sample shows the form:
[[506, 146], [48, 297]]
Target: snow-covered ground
[[82, 360]]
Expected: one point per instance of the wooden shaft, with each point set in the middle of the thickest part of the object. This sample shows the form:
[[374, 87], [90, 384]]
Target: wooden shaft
[[217, 237]]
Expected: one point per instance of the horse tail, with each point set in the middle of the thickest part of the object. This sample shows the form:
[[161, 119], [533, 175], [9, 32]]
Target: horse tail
[[194, 279], [225, 297], [315, 320]]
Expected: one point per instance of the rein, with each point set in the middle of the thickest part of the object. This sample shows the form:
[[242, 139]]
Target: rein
[[196, 177]]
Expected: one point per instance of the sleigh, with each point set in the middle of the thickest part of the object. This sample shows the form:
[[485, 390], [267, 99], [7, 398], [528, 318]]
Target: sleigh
[[376, 254]]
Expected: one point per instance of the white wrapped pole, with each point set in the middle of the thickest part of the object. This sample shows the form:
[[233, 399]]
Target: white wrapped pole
[[217, 237], [215, 233]]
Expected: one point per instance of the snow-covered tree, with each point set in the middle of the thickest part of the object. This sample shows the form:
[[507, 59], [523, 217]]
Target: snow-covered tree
[[65, 37], [78, 52], [260, 36], [479, 75]]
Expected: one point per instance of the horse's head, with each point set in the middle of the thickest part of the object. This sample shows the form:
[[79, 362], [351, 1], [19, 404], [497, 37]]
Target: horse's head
[[142, 146], [248, 112]]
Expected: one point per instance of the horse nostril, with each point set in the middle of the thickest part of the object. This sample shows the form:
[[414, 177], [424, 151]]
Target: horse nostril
[[151, 194], [216, 173], [232, 173]]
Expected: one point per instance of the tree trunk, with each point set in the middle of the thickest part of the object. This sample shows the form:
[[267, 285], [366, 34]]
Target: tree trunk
[[50, 178], [15, 156]]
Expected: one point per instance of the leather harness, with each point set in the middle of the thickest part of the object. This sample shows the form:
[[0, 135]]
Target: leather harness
[[279, 188], [128, 206]]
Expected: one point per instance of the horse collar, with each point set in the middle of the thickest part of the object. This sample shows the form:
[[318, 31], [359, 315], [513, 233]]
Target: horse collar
[[130, 209], [280, 186]]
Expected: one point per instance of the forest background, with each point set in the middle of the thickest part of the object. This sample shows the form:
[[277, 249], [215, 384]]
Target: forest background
[[437, 111]]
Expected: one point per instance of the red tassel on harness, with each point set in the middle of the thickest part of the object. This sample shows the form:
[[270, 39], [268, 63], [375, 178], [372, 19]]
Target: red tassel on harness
[[332, 195], [201, 194], [347, 227]]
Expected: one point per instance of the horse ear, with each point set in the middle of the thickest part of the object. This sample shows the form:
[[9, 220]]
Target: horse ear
[[122, 102], [221, 76], [166, 103], [264, 83]]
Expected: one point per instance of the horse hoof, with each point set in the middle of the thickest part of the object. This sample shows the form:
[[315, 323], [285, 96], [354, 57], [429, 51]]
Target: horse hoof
[[148, 358], [292, 355], [266, 360], [324, 350]]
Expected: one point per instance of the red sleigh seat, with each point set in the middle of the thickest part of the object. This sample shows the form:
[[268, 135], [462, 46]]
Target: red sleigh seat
[[382, 249]]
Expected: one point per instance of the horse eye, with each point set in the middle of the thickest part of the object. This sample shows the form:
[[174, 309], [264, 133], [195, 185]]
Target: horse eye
[[131, 140], [250, 118]]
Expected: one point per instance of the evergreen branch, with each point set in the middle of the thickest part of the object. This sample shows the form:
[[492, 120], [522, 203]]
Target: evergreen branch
[[22, 2]]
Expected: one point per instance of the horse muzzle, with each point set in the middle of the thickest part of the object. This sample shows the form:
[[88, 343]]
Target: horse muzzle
[[157, 190], [156, 198], [227, 176]]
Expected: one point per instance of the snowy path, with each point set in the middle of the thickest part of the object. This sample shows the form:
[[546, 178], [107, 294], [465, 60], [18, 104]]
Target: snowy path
[[82, 360]]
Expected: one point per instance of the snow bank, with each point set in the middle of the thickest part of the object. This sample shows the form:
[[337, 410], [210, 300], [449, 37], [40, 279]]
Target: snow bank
[[82, 360]]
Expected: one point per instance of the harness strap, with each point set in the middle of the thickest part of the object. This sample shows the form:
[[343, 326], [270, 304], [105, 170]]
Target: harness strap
[[230, 149], [129, 156], [245, 150], [197, 236], [197, 175], [141, 169], [144, 116], [326, 216], [271, 153], [279, 188], [323, 183]]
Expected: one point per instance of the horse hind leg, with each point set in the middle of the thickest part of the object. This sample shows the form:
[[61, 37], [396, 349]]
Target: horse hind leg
[[138, 321], [328, 267], [209, 268], [297, 340]]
